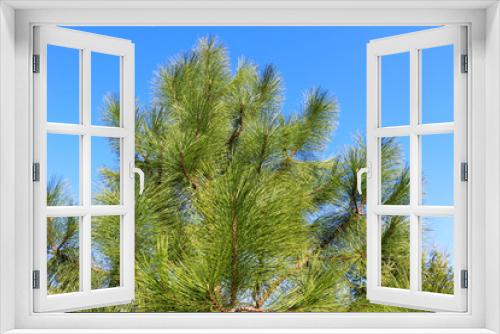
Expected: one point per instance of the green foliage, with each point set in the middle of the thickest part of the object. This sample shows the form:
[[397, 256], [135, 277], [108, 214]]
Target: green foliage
[[62, 243], [238, 213], [437, 275], [105, 238]]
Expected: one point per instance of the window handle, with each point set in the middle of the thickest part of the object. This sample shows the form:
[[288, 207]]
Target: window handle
[[134, 170], [361, 171]]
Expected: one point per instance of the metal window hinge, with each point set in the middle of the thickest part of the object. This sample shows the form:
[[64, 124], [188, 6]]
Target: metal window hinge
[[36, 279], [36, 172], [36, 63], [464, 171], [465, 64], [464, 279]]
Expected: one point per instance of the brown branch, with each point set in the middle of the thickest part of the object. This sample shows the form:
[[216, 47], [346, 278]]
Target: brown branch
[[316, 192], [215, 301], [325, 185], [238, 128], [274, 285], [62, 243], [289, 157], [246, 309], [234, 260], [357, 211], [189, 178], [256, 295], [263, 150]]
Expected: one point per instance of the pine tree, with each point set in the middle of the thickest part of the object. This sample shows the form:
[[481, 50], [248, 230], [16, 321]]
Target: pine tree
[[239, 213]]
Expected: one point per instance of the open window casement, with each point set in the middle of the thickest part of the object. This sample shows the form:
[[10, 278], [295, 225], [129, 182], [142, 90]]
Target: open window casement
[[67, 231], [419, 126]]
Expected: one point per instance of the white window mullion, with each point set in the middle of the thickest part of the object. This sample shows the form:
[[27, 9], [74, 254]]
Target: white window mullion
[[126, 176], [373, 177], [434, 210], [85, 260], [392, 131], [420, 210], [86, 240], [435, 128], [78, 129], [80, 211], [127, 108], [414, 171], [421, 129]]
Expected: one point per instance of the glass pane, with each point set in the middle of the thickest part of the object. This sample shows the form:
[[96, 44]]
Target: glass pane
[[105, 170], [105, 78], [437, 84], [105, 252], [63, 255], [395, 170], [63, 84], [437, 169], [395, 89], [395, 250], [437, 254], [63, 170]]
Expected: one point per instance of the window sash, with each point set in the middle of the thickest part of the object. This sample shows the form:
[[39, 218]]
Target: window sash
[[86, 43], [413, 43]]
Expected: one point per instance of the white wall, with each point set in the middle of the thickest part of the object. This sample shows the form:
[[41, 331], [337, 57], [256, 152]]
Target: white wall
[[492, 148], [7, 178]]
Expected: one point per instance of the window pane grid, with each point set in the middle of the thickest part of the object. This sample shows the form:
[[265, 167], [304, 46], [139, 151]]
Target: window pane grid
[[437, 106], [73, 120], [93, 130], [415, 211], [95, 210], [418, 256], [419, 210], [86, 210], [419, 129]]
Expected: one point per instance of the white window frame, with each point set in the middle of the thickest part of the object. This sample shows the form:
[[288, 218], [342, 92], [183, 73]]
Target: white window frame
[[413, 44], [16, 20], [86, 44]]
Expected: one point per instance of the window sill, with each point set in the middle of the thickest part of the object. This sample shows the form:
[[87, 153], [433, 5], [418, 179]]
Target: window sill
[[254, 331]]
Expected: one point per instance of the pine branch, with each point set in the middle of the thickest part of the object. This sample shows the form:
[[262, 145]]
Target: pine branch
[[247, 308], [191, 180], [237, 129], [262, 153], [277, 282], [215, 302], [234, 260]]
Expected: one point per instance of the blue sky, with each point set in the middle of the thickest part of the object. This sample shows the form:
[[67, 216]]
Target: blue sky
[[331, 57]]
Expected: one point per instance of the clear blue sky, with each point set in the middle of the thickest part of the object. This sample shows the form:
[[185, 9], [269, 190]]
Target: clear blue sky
[[331, 57]]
